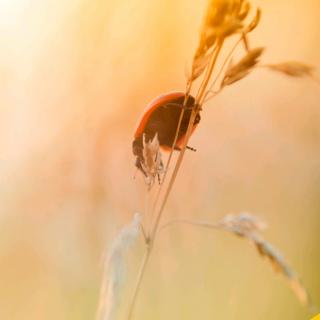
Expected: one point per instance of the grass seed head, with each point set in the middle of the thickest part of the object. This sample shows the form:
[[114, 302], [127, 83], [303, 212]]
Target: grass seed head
[[254, 23], [243, 224], [250, 227], [241, 69], [293, 68]]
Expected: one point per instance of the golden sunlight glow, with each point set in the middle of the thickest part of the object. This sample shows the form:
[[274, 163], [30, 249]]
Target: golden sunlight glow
[[10, 10], [75, 76]]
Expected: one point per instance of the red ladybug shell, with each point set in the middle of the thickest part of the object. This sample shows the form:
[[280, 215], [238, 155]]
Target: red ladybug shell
[[161, 117], [153, 105], [160, 102]]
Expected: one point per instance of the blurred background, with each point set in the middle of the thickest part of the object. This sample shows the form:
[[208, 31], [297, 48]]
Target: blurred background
[[74, 78]]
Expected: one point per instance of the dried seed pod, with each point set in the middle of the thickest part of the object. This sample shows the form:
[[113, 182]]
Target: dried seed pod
[[245, 9], [254, 23], [217, 12], [293, 68], [250, 227], [242, 68], [230, 27], [243, 223], [280, 265]]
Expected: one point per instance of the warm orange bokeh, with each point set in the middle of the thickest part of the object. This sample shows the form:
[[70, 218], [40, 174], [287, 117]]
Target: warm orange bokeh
[[74, 77]]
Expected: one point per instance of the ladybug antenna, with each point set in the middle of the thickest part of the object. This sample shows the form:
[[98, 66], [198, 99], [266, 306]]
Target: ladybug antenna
[[190, 148]]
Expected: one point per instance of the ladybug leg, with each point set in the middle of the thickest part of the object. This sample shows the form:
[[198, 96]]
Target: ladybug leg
[[192, 149], [139, 166], [187, 147]]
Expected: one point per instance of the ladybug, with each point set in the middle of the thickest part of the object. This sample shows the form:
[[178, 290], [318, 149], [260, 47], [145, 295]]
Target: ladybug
[[161, 117]]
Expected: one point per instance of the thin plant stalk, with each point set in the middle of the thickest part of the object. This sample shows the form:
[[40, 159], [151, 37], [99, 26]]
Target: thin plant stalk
[[139, 280], [202, 90], [192, 223], [221, 69], [188, 134], [199, 100], [188, 89]]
